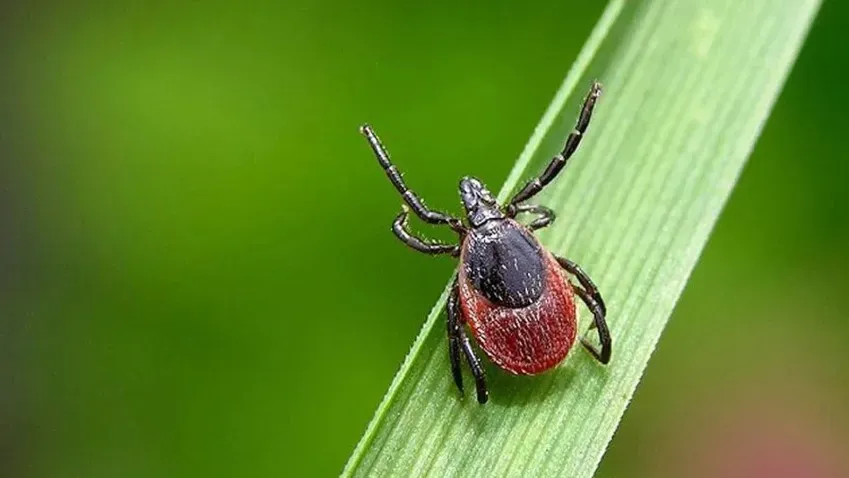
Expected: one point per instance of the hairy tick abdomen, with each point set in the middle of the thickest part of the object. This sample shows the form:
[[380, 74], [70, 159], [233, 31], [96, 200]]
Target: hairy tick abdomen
[[523, 316]]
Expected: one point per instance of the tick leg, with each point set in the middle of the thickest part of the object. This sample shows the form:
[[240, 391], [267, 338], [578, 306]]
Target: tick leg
[[546, 215], [427, 215], [452, 309], [572, 142], [477, 369], [585, 281], [458, 340], [592, 298], [601, 324], [399, 227]]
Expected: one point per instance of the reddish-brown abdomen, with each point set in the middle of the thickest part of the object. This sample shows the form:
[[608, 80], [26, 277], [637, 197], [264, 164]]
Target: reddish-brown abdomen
[[527, 340]]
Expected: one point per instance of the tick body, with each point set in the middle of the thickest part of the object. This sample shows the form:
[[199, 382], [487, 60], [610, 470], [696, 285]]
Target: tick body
[[514, 295], [515, 299]]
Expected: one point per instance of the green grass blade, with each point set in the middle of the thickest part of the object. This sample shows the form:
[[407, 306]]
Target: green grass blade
[[688, 86]]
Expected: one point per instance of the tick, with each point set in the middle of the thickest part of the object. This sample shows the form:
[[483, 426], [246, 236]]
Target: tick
[[513, 294]]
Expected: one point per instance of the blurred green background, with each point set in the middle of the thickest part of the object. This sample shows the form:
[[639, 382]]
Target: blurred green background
[[197, 276]]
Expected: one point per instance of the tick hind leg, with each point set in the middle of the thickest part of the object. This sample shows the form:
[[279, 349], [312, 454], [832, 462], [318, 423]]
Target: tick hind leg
[[585, 281], [457, 342], [602, 356], [590, 295]]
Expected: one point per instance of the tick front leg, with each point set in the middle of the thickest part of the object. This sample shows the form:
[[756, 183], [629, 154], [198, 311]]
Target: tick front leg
[[590, 295], [427, 215], [545, 215], [572, 142], [457, 341], [402, 231]]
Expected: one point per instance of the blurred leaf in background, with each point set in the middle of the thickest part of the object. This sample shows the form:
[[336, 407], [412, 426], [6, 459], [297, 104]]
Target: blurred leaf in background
[[197, 273]]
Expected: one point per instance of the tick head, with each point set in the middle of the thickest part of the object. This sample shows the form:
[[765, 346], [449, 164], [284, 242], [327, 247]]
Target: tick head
[[479, 203]]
